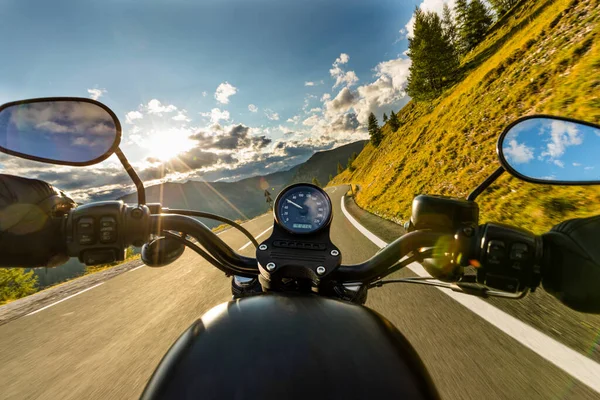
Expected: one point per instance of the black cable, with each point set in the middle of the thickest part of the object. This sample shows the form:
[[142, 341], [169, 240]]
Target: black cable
[[215, 217], [197, 249]]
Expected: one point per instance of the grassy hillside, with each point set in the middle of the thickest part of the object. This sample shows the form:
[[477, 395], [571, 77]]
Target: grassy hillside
[[544, 57]]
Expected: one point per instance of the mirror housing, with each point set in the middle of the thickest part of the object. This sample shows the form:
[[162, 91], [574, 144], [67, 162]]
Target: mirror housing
[[551, 150], [59, 130]]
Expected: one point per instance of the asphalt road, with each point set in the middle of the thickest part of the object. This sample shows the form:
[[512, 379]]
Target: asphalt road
[[105, 342]]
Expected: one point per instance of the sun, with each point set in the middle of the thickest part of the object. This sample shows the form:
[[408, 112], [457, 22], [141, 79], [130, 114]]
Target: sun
[[165, 146]]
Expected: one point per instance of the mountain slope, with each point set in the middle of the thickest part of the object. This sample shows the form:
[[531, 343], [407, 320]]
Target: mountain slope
[[245, 199], [542, 58]]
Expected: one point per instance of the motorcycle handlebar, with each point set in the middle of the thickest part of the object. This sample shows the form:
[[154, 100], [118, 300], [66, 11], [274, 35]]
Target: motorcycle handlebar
[[374, 268]]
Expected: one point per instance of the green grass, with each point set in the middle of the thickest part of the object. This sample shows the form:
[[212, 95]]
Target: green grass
[[544, 58]]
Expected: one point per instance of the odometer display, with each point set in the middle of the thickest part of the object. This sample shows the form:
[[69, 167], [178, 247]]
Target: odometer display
[[303, 209]]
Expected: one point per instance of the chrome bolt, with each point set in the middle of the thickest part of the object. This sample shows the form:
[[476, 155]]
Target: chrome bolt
[[321, 270], [262, 247], [271, 267], [335, 253]]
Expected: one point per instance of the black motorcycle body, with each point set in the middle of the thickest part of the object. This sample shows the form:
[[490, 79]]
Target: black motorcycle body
[[285, 346]]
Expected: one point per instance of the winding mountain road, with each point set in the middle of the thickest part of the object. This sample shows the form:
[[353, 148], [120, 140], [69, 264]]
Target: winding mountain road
[[105, 342]]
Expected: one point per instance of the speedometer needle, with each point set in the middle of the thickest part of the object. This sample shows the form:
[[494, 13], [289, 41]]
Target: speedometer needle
[[291, 202]]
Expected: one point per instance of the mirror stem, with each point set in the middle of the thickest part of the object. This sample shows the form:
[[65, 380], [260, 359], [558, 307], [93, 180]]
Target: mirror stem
[[485, 184], [141, 192]]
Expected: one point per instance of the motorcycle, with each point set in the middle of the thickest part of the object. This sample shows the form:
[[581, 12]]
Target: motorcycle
[[297, 325]]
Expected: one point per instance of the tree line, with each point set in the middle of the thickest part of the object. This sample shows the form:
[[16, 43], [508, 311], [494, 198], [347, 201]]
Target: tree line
[[438, 43]]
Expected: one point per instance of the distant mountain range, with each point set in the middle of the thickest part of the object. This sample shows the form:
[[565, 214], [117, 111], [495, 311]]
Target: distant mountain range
[[245, 199]]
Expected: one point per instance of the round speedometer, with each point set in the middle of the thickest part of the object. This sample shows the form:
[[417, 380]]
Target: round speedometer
[[303, 208]]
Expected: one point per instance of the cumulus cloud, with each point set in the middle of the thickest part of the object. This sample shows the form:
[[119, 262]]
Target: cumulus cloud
[[181, 116], [325, 97], [95, 94], [204, 94], [389, 90], [295, 119], [252, 108], [224, 91], [344, 100], [235, 138], [563, 134], [575, 164], [559, 163], [132, 116], [216, 115], [311, 121], [272, 115], [518, 153], [316, 109], [347, 78], [156, 107]]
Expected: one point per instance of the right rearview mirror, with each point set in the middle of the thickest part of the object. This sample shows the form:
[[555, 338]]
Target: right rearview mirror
[[551, 150], [61, 130]]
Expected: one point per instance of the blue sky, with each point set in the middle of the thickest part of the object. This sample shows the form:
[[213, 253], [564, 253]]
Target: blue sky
[[165, 60]]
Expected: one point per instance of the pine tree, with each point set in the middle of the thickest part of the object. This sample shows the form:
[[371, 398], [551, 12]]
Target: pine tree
[[450, 29], [351, 166], [316, 182], [434, 61], [374, 130], [340, 168], [385, 118], [477, 22], [502, 6], [461, 8], [394, 122]]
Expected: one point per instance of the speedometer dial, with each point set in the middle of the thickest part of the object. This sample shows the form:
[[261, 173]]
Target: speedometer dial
[[303, 208]]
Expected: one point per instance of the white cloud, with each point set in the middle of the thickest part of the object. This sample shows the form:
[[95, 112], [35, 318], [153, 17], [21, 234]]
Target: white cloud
[[132, 116], [285, 129], [589, 168], [295, 119], [518, 153], [224, 91], [252, 108], [95, 94], [427, 5], [562, 135], [559, 163], [309, 83], [311, 121], [156, 107], [272, 115], [204, 94], [387, 91], [181, 116], [576, 164], [316, 109], [348, 78], [216, 115], [325, 97]]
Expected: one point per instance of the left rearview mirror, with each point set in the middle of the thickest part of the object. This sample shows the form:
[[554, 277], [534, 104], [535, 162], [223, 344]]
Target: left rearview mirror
[[61, 130], [551, 150]]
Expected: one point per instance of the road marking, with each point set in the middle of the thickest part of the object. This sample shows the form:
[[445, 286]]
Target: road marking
[[131, 270], [578, 366], [259, 235], [66, 298]]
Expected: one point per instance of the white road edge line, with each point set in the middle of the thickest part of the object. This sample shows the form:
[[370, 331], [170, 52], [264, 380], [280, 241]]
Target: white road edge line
[[66, 298], [131, 270], [259, 235], [578, 366]]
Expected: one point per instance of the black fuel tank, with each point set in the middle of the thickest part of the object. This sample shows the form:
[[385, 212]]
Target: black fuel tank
[[276, 346]]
